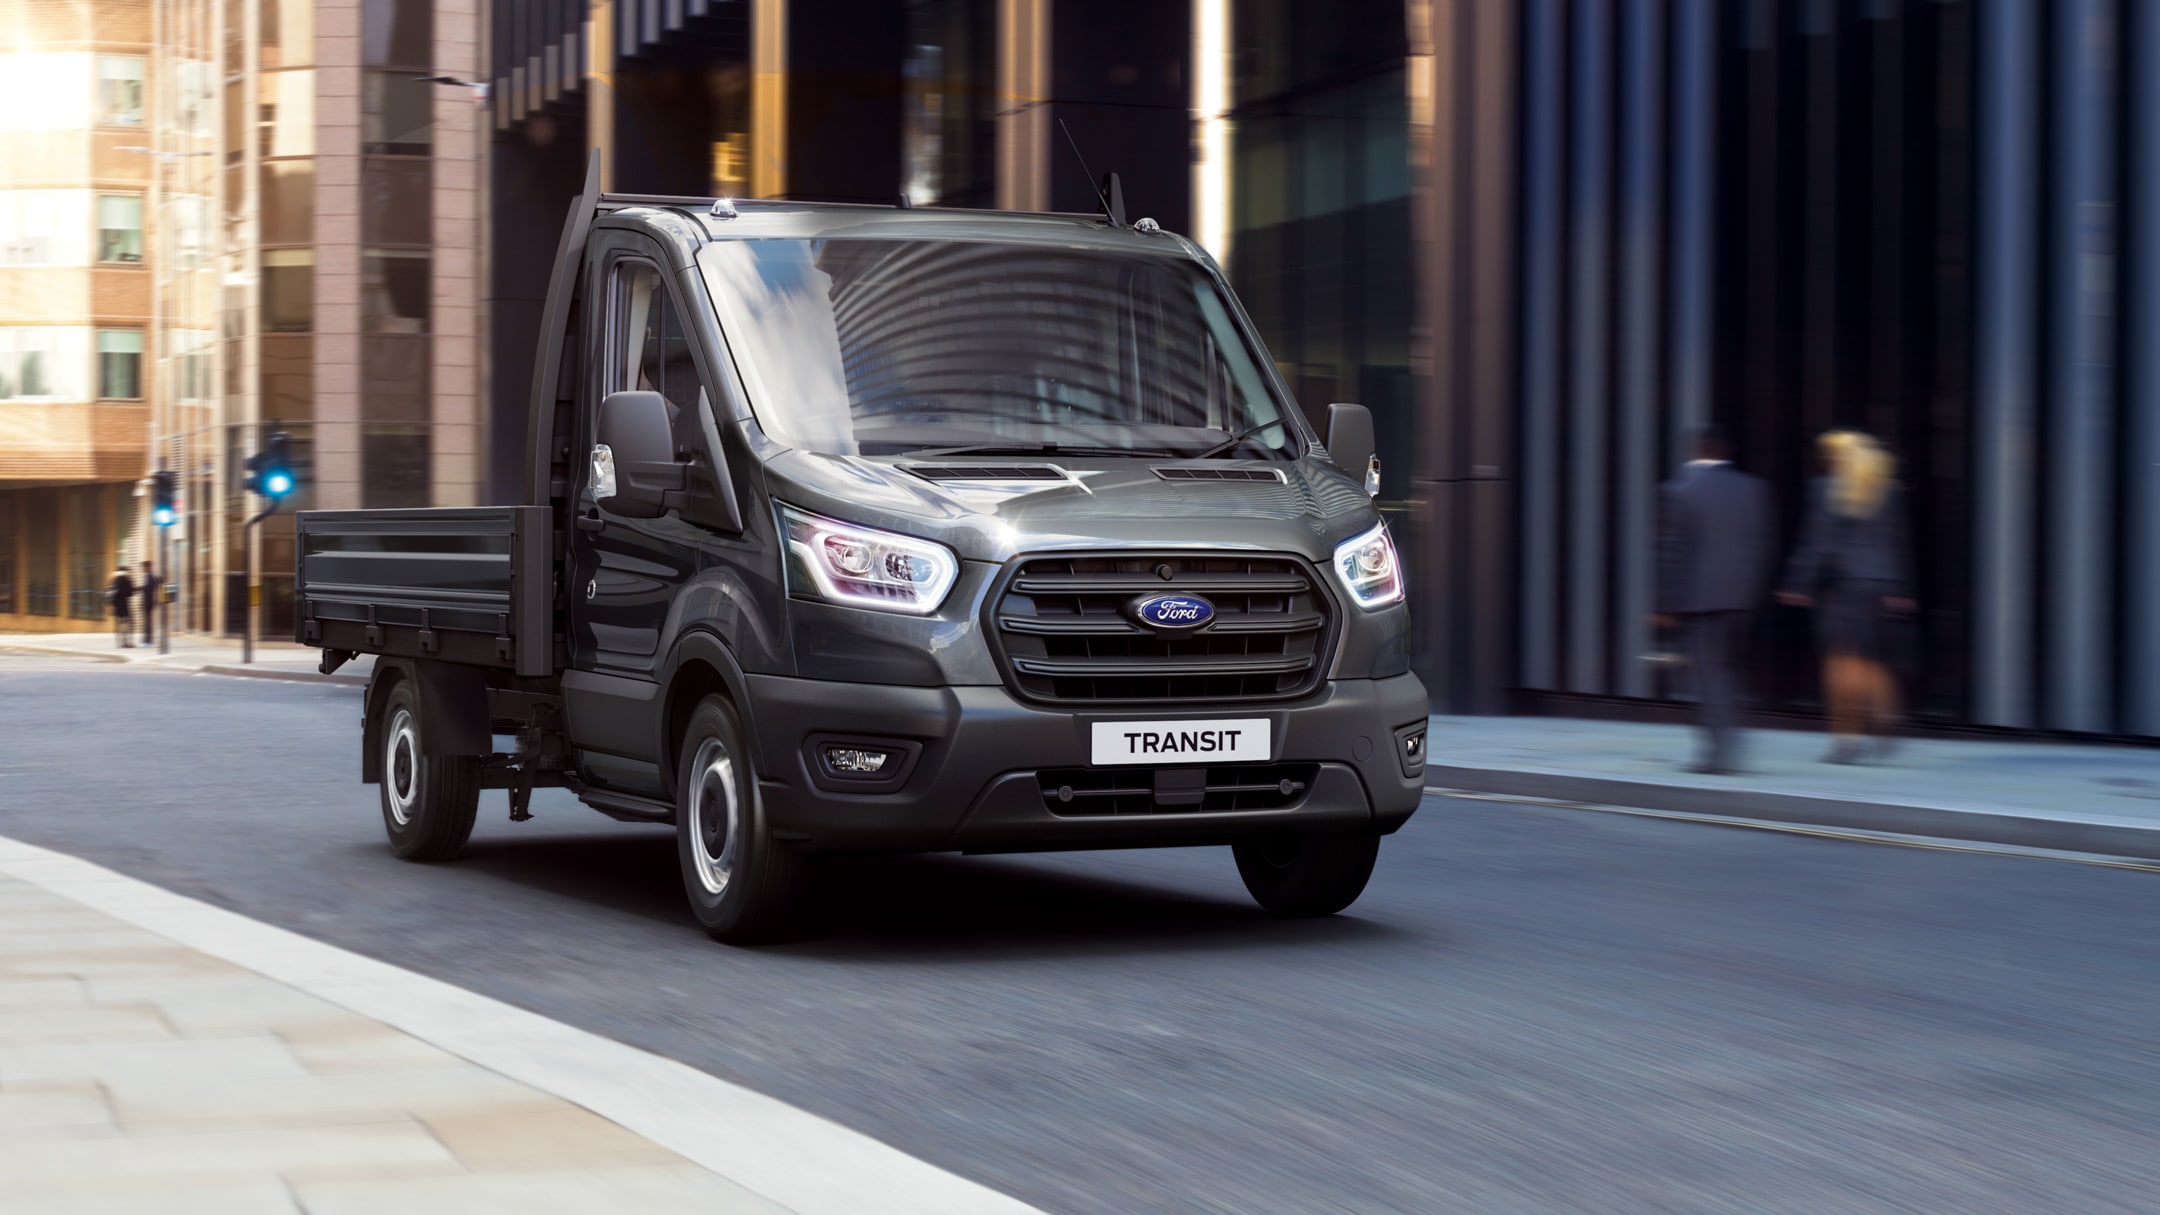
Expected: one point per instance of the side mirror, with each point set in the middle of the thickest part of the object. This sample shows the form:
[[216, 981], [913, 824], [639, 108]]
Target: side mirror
[[1350, 441], [634, 464]]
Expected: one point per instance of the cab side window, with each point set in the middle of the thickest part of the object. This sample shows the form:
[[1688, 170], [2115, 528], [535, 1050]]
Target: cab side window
[[655, 351]]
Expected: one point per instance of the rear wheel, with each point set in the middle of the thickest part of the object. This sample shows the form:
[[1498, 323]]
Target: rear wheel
[[1307, 875], [428, 801], [740, 881]]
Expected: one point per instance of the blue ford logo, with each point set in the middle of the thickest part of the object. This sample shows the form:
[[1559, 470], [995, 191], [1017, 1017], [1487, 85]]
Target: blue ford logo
[[1177, 612]]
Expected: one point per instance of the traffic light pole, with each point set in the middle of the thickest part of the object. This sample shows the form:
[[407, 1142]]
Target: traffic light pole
[[163, 606], [247, 559]]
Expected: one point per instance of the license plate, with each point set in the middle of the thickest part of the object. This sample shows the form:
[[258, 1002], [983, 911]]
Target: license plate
[[1234, 740]]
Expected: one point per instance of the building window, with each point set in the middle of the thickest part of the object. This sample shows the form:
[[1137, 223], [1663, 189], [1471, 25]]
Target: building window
[[7, 555], [397, 114], [288, 290], [393, 466], [120, 227], [41, 552], [120, 90], [27, 222], [43, 364], [89, 567], [119, 364], [394, 288]]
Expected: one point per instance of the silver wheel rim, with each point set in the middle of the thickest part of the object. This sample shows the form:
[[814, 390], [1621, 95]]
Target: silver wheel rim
[[401, 767], [715, 811]]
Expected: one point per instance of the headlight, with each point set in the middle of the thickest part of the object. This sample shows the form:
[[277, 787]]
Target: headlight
[[1369, 570], [863, 567]]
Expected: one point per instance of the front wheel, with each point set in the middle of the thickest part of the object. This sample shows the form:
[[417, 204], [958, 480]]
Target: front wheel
[[428, 801], [1307, 875], [741, 882]]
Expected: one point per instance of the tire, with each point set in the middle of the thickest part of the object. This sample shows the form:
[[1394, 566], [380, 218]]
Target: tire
[[741, 883], [428, 801], [1307, 875]]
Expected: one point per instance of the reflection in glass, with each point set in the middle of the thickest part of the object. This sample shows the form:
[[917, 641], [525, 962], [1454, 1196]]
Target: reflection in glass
[[288, 290], [288, 33], [120, 90], [394, 287], [394, 387], [397, 114], [120, 227], [288, 202], [394, 202], [393, 466], [396, 33], [286, 119], [878, 347], [119, 364]]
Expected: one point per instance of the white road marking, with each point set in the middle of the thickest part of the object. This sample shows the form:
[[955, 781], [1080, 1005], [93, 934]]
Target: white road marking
[[806, 1163]]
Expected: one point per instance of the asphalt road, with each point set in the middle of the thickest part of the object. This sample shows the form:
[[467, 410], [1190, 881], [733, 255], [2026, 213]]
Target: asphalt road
[[1530, 1010]]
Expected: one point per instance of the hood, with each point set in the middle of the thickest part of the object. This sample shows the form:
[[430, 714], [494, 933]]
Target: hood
[[1088, 503]]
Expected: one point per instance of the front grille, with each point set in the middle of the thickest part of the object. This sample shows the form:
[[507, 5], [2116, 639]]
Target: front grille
[[1091, 792], [1064, 634]]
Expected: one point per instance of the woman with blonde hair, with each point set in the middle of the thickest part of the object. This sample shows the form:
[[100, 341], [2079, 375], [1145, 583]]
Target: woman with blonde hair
[[1853, 567]]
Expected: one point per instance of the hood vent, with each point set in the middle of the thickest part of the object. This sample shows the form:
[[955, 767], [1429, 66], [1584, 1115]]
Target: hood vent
[[986, 472], [1188, 472]]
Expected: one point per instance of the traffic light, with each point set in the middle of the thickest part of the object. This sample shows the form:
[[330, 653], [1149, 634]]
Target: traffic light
[[269, 471], [164, 505], [277, 473]]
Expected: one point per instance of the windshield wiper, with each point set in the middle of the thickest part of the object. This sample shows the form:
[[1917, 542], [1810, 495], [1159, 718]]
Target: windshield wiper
[[1043, 449], [1231, 443]]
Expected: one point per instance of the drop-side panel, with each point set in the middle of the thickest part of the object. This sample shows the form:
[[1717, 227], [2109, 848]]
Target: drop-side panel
[[469, 585]]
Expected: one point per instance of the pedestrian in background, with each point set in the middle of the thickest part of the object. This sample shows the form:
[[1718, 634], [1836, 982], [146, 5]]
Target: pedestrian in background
[[151, 585], [1714, 529], [119, 593], [1853, 567]]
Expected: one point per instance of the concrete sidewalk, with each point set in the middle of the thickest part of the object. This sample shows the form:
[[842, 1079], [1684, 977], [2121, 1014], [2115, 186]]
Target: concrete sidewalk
[[160, 1054], [2071, 797], [190, 652]]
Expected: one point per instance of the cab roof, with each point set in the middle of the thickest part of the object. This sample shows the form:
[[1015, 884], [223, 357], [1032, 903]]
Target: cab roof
[[772, 218]]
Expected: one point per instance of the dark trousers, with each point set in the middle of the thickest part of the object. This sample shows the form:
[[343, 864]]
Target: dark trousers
[[1714, 652], [149, 621]]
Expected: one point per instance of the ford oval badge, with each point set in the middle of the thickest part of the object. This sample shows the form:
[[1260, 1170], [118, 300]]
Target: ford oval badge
[[1173, 613]]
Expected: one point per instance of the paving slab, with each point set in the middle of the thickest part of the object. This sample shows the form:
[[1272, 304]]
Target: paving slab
[[158, 1053]]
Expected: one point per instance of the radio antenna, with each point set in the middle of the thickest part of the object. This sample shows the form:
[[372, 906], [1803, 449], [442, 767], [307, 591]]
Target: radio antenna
[[1103, 192]]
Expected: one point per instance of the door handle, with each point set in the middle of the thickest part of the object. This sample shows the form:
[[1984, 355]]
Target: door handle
[[589, 523]]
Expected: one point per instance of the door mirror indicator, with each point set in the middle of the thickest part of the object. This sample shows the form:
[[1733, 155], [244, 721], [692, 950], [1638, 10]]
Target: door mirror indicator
[[603, 471]]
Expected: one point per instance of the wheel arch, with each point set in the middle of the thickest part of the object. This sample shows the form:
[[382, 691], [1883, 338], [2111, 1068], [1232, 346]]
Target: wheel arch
[[701, 666]]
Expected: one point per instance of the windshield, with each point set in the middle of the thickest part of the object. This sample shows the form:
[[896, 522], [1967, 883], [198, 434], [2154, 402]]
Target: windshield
[[886, 347]]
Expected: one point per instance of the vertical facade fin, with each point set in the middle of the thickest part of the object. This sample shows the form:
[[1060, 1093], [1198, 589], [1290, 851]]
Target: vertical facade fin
[[1542, 179], [2081, 265], [2141, 553], [1642, 156], [1589, 223], [2006, 364]]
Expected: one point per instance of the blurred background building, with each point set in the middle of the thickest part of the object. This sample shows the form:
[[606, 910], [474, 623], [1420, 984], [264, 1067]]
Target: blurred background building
[[1545, 240]]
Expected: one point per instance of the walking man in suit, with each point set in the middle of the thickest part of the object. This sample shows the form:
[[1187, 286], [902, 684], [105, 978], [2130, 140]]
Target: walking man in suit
[[148, 590], [1714, 533]]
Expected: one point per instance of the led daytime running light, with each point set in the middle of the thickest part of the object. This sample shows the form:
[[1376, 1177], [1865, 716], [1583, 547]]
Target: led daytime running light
[[864, 567], [1369, 570]]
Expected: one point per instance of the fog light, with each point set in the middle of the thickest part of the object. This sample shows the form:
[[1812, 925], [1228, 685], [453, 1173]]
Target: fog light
[[856, 761]]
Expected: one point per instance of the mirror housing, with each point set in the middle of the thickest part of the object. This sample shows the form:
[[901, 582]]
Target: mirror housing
[[635, 429], [1351, 444]]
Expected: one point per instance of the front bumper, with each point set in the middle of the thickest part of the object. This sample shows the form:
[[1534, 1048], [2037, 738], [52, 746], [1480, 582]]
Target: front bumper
[[970, 761]]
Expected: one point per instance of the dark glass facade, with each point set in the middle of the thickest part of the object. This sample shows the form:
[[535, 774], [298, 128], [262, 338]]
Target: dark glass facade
[[1546, 241]]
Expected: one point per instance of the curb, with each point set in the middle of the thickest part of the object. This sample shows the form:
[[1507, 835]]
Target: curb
[[250, 672], [58, 652], [2015, 828]]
